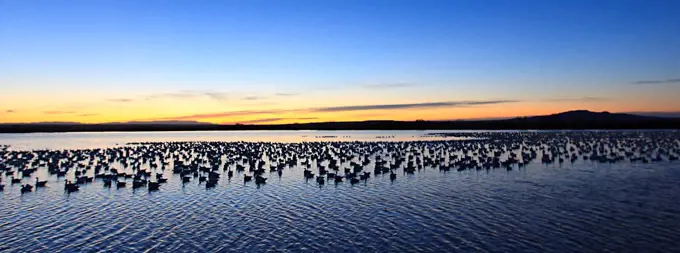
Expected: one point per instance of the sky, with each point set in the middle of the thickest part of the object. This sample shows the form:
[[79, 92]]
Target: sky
[[284, 61]]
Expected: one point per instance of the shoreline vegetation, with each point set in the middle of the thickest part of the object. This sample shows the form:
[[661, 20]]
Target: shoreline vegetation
[[576, 120]]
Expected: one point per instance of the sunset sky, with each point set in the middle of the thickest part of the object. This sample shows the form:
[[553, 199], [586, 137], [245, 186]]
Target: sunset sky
[[281, 61]]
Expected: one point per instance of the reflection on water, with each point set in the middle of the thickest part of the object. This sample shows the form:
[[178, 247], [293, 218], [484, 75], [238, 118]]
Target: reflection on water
[[584, 206], [110, 139]]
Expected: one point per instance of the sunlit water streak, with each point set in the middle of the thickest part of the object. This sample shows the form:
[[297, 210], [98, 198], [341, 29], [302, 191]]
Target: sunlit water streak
[[584, 207], [112, 139]]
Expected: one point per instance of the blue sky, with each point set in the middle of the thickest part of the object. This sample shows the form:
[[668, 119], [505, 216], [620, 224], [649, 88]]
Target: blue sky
[[482, 50]]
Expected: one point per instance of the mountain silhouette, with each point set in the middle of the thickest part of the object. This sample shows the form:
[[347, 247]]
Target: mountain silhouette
[[658, 114], [584, 119], [585, 115]]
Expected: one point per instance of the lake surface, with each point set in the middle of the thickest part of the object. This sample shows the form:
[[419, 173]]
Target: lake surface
[[585, 206], [112, 139]]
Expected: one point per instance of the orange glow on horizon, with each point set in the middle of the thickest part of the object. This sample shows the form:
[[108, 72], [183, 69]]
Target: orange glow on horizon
[[452, 113], [97, 109]]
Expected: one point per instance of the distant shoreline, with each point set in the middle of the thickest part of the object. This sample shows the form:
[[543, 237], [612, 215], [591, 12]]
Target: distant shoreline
[[572, 120], [405, 126], [198, 130]]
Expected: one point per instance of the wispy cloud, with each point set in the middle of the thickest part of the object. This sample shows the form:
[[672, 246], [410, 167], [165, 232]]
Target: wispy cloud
[[673, 80], [269, 120], [189, 94], [121, 100], [175, 95], [339, 109], [10, 111], [410, 106], [253, 98], [179, 95], [222, 114], [304, 118], [58, 112], [87, 114], [488, 102], [286, 94], [219, 96], [578, 99], [389, 85]]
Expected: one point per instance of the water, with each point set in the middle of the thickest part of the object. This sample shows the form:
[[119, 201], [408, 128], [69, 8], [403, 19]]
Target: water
[[111, 139], [581, 207]]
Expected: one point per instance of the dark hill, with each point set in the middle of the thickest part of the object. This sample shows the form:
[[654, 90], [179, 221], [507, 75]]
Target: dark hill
[[583, 119], [585, 115]]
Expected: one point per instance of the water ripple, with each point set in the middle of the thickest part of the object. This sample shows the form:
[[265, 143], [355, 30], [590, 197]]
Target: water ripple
[[580, 209]]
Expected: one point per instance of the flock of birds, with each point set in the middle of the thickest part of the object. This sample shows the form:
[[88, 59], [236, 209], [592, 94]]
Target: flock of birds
[[143, 165]]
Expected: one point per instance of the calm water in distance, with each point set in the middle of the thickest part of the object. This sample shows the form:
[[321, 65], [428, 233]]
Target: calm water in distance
[[112, 139], [581, 207]]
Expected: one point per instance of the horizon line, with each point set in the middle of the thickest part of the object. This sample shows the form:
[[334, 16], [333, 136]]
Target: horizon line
[[657, 114]]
